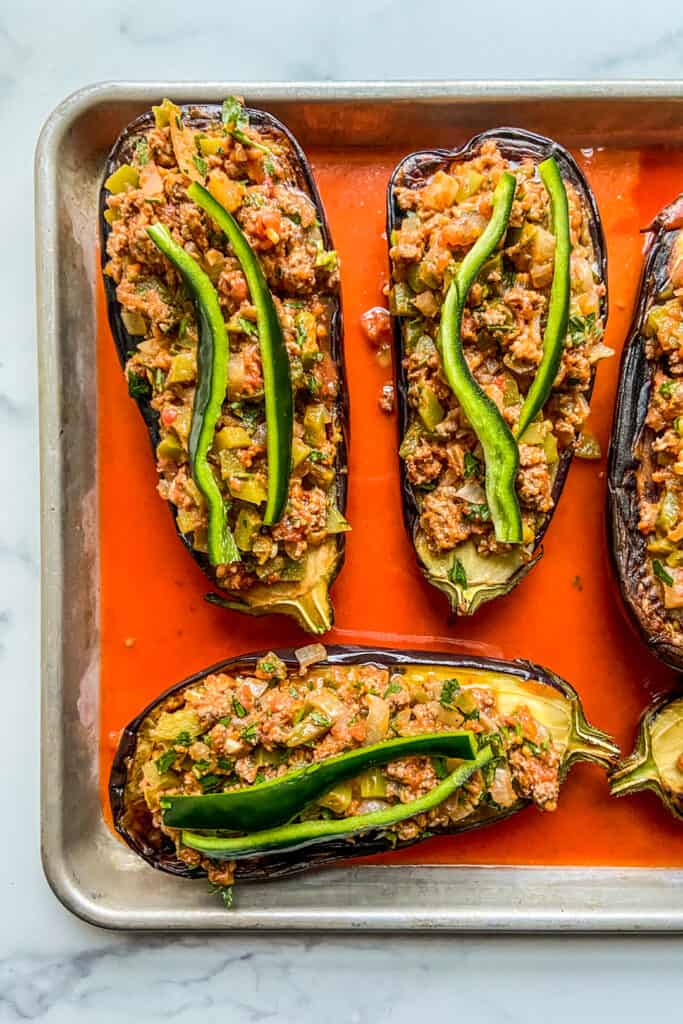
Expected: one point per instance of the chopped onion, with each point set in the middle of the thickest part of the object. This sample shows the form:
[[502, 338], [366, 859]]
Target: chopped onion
[[501, 789], [472, 492], [600, 351], [327, 702], [309, 655], [370, 806], [377, 722], [257, 686]]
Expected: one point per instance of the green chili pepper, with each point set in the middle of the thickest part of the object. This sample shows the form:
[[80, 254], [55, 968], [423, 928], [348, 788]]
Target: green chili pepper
[[278, 801], [555, 333], [275, 361], [212, 376], [500, 448], [306, 833]]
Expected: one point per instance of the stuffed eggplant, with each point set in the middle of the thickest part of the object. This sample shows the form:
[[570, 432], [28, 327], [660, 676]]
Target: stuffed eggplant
[[657, 761], [223, 298], [272, 763], [498, 294], [645, 479]]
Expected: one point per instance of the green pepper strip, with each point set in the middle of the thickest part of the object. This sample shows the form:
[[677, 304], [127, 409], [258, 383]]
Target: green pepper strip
[[212, 375], [555, 333], [274, 359], [305, 833], [500, 449], [273, 803]]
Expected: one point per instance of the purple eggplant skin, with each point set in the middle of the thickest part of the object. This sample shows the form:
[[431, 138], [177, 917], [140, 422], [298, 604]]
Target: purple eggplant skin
[[630, 445], [199, 117], [133, 824], [515, 144]]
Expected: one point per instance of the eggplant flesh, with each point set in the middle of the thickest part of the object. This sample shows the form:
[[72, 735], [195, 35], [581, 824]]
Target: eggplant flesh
[[487, 576], [305, 598], [657, 760], [632, 459], [551, 701]]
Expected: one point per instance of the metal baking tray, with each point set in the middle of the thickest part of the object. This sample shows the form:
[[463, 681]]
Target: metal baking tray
[[90, 872]]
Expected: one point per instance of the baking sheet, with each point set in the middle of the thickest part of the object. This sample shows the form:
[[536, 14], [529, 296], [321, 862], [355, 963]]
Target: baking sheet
[[90, 872]]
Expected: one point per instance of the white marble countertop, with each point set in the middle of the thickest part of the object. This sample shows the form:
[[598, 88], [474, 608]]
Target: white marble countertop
[[53, 968]]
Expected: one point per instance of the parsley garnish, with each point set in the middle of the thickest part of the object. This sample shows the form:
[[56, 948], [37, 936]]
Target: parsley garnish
[[666, 389], [225, 891], [250, 733], [183, 739], [480, 512], [225, 720], [448, 691], [457, 574], [210, 782], [248, 326], [392, 688], [661, 573], [142, 151], [164, 762], [320, 720], [225, 764], [239, 708], [201, 165], [472, 465], [138, 386]]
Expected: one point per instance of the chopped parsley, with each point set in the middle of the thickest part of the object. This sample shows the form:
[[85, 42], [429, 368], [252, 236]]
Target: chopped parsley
[[233, 114], [239, 708], [211, 782], [581, 328], [666, 389], [201, 165], [392, 688], [457, 574], [225, 720], [316, 456], [142, 151], [248, 326], [250, 734], [439, 766], [226, 894], [448, 691], [322, 721], [661, 573], [164, 762], [138, 386], [183, 739], [225, 764], [481, 512], [472, 465]]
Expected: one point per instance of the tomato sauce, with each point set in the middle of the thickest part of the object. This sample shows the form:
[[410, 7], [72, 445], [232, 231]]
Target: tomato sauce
[[156, 628]]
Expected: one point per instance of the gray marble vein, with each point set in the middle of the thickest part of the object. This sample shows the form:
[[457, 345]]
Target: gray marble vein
[[53, 968]]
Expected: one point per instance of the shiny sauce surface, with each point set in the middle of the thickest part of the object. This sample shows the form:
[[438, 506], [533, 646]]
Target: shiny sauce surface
[[156, 628]]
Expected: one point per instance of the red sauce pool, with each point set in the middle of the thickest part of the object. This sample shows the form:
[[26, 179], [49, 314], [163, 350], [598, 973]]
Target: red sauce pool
[[156, 627]]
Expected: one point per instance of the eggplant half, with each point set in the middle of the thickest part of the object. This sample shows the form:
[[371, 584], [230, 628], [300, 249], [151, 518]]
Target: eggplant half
[[657, 760], [253, 725], [439, 211], [644, 487], [250, 164]]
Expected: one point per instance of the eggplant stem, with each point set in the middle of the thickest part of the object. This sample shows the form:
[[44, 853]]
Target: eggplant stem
[[636, 772], [590, 744]]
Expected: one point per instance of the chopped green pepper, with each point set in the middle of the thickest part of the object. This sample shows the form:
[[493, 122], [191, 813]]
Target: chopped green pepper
[[274, 358], [555, 333], [275, 802], [305, 833], [212, 374], [501, 454]]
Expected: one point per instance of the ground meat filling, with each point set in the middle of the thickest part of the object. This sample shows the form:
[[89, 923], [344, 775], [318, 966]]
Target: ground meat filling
[[229, 731], [502, 332], [254, 175], [660, 472]]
